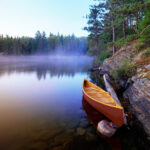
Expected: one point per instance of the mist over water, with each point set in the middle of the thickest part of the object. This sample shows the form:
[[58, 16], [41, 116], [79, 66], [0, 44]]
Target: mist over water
[[41, 98], [54, 65]]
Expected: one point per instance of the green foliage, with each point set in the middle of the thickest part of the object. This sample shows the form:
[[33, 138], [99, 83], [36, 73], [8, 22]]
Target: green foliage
[[114, 23], [131, 37], [140, 45], [93, 48], [146, 53], [41, 44], [119, 43], [95, 28], [144, 27], [115, 74], [123, 42], [125, 70], [103, 56]]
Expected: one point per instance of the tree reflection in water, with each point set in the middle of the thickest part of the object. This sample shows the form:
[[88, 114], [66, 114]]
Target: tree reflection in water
[[44, 65]]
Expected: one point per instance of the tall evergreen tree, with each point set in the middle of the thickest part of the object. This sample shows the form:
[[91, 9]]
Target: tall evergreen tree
[[114, 22], [95, 26]]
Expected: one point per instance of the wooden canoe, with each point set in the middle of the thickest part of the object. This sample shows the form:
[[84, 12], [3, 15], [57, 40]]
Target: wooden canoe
[[103, 102]]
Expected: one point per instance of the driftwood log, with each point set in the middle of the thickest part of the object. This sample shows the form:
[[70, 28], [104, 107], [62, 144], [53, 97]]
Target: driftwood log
[[112, 92], [105, 127]]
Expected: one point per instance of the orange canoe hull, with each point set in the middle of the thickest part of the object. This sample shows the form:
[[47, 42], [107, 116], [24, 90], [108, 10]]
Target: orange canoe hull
[[115, 114]]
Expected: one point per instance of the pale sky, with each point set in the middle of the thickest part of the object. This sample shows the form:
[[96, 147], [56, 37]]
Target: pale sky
[[25, 17]]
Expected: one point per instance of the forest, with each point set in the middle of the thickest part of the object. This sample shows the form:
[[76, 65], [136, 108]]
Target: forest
[[116, 23], [41, 44]]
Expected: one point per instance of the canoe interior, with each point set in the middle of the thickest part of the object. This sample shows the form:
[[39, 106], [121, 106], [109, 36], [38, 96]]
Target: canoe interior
[[99, 94]]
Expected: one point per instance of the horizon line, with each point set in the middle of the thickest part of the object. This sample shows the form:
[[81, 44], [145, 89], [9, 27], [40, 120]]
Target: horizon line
[[47, 35]]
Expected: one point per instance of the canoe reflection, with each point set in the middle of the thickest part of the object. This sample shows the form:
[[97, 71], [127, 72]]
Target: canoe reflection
[[96, 117]]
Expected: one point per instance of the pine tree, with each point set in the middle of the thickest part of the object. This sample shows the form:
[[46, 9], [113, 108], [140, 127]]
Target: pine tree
[[144, 28], [95, 26]]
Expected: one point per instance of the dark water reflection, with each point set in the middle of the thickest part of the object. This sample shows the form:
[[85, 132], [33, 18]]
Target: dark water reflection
[[41, 105], [41, 101]]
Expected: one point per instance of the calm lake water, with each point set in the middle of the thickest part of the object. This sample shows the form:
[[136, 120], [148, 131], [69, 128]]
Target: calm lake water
[[41, 106]]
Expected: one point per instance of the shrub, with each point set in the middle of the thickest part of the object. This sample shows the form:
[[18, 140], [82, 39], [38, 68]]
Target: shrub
[[104, 55], [131, 37], [110, 44], [114, 74], [145, 36], [119, 43], [125, 70], [140, 45], [146, 53], [122, 42]]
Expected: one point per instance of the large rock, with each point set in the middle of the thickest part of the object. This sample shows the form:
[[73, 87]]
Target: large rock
[[139, 96], [115, 60], [139, 92]]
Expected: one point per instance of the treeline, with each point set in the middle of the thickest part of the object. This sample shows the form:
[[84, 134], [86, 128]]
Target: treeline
[[41, 44], [114, 23]]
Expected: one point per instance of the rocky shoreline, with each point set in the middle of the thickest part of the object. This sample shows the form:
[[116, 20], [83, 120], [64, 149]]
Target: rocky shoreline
[[136, 89]]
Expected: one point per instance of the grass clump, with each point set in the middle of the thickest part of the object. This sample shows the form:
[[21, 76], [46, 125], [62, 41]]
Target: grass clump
[[140, 45], [146, 53], [125, 70]]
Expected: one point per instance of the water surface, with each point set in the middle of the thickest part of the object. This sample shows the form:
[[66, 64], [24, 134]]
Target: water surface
[[41, 106], [41, 100]]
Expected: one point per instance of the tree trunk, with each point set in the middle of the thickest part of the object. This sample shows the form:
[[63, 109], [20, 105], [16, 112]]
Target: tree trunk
[[124, 30], [130, 21], [123, 23], [137, 21], [97, 49], [113, 30]]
